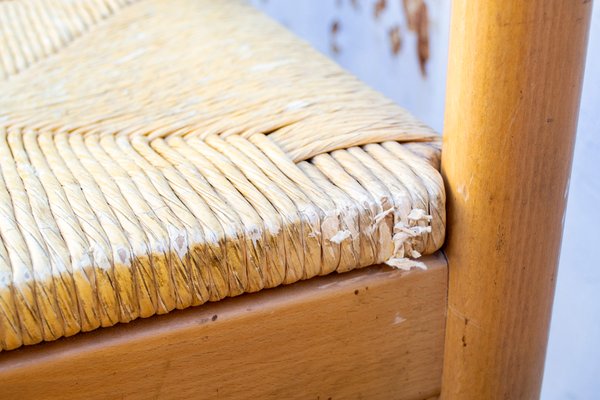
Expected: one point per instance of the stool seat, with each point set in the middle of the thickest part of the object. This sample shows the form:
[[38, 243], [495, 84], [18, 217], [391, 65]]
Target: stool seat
[[162, 154]]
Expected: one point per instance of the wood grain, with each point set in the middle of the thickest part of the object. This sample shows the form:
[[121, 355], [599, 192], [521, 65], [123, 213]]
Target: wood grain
[[514, 83], [375, 333]]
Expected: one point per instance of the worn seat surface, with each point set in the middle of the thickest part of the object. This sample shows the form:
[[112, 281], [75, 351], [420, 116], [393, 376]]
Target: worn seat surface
[[162, 154]]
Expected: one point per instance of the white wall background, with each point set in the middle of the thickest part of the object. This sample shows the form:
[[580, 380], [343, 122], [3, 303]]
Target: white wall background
[[357, 34]]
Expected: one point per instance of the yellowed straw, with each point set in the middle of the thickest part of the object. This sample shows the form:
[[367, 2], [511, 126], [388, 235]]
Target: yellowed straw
[[162, 154]]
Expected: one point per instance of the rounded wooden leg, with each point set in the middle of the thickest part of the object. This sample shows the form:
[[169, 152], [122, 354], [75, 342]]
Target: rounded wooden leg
[[514, 83]]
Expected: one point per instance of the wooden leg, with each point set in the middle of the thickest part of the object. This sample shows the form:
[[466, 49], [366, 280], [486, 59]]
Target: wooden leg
[[375, 333], [514, 82]]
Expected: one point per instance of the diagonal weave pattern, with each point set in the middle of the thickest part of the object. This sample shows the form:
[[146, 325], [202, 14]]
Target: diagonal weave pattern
[[171, 153], [31, 30]]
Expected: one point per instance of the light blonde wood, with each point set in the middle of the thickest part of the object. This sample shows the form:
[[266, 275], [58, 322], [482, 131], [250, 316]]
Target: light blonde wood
[[375, 333], [514, 82]]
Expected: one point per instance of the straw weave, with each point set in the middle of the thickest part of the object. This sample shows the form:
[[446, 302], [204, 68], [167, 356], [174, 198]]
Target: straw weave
[[162, 154]]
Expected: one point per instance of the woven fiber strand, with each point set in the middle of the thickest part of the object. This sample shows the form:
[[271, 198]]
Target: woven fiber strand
[[169, 153], [31, 30]]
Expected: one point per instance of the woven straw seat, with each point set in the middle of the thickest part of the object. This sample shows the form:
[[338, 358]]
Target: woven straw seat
[[162, 154]]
